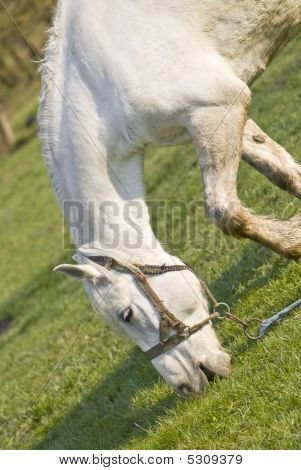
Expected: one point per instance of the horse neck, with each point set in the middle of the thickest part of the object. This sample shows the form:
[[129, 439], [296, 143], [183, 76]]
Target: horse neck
[[108, 199]]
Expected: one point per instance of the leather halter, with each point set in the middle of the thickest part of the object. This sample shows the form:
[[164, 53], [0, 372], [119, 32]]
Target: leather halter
[[168, 320]]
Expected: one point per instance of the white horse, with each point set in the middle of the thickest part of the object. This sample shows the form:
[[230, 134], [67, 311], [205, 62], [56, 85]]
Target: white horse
[[121, 74]]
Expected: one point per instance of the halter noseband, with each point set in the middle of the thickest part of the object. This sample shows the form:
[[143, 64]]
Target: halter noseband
[[168, 320]]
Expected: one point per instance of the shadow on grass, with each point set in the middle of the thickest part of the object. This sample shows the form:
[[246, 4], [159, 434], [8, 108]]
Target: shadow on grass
[[255, 269], [110, 416], [5, 323], [26, 138], [246, 272], [22, 309]]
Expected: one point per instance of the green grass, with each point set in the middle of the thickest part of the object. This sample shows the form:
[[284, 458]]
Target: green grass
[[17, 71], [67, 381]]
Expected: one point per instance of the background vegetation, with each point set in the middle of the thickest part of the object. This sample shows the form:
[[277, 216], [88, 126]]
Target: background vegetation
[[17, 71], [66, 380]]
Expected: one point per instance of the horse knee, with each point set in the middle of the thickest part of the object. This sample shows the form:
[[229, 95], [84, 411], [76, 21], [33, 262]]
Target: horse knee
[[231, 219]]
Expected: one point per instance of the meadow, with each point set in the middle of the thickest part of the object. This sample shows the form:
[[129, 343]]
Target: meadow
[[68, 382]]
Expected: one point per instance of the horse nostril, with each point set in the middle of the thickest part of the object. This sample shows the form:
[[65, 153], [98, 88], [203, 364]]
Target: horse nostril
[[185, 389], [211, 376]]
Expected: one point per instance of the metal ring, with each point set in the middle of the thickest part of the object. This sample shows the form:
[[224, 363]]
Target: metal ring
[[224, 314], [248, 323], [186, 332]]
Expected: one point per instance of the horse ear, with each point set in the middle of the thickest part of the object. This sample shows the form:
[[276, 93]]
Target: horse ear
[[78, 271]]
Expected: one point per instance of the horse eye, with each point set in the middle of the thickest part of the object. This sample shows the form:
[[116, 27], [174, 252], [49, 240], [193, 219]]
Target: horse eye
[[127, 314]]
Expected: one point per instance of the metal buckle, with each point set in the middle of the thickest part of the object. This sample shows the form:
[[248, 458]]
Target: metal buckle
[[186, 332], [224, 314], [247, 325]]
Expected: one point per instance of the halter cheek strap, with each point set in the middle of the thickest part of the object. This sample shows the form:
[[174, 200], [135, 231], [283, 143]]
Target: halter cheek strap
[[168, 321]]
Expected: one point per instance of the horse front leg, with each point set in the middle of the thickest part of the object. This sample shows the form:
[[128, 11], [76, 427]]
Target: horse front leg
[[270, 159], [218, 134]]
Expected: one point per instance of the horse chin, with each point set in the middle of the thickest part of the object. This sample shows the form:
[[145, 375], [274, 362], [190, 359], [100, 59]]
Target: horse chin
[[188, 377], [215, 365], [196, 386]]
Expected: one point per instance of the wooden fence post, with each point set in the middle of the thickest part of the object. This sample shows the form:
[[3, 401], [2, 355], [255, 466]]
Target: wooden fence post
[[7, 136]]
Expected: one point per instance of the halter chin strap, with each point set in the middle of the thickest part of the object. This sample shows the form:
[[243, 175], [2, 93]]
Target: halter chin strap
[[168, 320]]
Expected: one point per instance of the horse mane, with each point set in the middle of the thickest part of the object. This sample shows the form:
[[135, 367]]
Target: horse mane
[[125, 259], [50, 90]]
